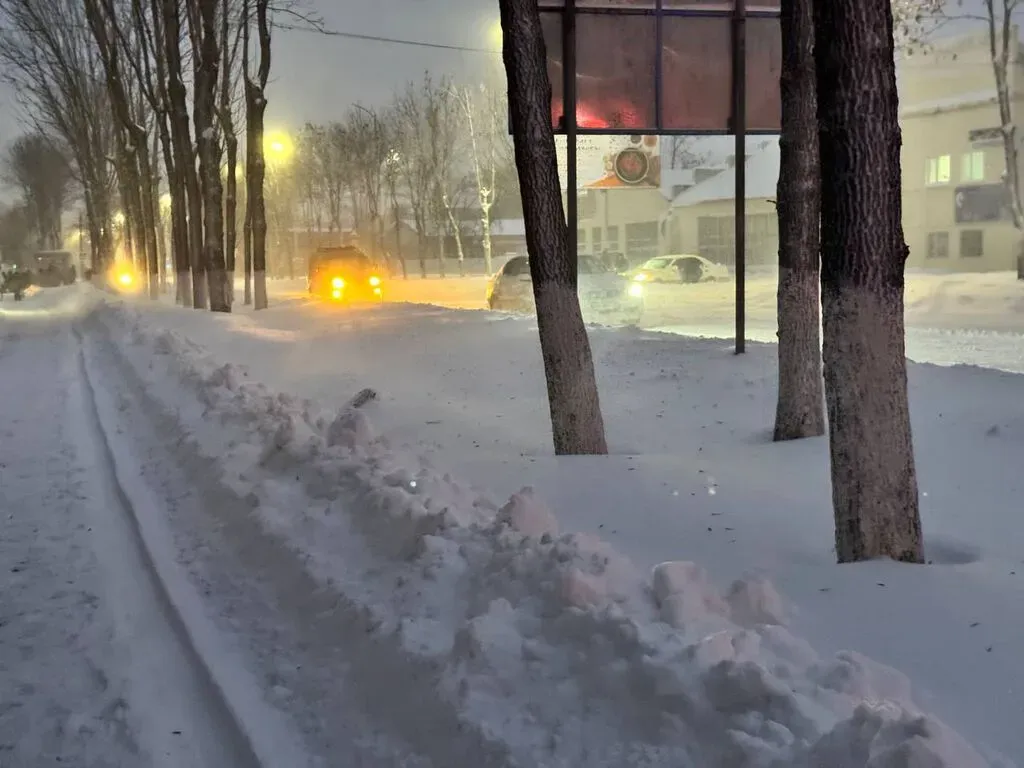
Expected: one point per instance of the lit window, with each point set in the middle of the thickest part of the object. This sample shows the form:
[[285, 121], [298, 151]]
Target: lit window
[[939, 170], [972, 167]]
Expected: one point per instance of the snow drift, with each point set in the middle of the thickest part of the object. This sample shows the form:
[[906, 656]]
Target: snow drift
[[546, 642]]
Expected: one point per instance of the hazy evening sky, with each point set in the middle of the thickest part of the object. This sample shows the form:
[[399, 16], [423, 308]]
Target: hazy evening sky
[[315, 78]]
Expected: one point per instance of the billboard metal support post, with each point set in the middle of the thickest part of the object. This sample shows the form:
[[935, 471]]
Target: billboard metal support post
[[739, 113], [708, 118], [569, 118]]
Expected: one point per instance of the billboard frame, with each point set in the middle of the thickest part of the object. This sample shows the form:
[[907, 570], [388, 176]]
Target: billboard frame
[[738, 11]]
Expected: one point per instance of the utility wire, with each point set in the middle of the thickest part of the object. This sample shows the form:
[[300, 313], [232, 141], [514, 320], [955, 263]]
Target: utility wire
[[379, 39]]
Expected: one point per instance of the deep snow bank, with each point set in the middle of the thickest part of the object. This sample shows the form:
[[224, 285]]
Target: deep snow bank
[[548, 643]]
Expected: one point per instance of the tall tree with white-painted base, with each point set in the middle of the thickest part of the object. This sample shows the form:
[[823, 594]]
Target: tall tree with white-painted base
[[800, 406], [800, 410], [874, 482], [255, 167], [576, 421]]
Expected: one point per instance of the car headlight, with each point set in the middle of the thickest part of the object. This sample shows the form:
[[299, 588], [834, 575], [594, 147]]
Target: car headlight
[[374, 281], [639, 278], [337, 283], [636, 290]]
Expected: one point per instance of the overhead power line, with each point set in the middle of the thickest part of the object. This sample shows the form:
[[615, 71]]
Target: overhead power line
[[380, 39]]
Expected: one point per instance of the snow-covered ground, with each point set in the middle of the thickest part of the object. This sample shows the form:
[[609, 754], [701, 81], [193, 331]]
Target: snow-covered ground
[[977, 319], [96, 668], [453, 618]]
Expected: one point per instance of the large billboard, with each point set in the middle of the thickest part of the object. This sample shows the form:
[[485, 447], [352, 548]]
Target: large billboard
[[612, 161], [665, 66]]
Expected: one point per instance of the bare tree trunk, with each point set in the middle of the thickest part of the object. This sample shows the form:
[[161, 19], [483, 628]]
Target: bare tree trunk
[[255, 108], [185, 160], [247, 251], [231, 144], [148, 222], [133, 143], [800, 410], [576, 422], [169, 139], [874, 483], [459, 250], [155, 212], [125, 195], [207, 71]]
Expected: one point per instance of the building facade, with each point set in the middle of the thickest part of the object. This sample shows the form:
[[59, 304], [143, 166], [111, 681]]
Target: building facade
[[956, 208], [956, 212]]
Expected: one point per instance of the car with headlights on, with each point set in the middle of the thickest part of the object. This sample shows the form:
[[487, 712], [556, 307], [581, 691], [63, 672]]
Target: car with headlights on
[[679, 268], [344, 274], [605, 296]]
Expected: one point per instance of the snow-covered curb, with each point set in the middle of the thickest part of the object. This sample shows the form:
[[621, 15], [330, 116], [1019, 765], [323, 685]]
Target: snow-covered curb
[[551, 644]]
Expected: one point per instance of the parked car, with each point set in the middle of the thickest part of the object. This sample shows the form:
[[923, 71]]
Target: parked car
[[15, 281], [51, 269], [605, 296], [344, 274], [679, 268]]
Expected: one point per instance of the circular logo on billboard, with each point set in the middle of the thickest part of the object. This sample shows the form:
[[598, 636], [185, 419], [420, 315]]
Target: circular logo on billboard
[[631, 166]]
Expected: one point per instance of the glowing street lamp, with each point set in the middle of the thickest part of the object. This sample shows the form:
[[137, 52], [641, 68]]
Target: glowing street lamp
[[165, 202], [495, 36], [239, 172], [278, 147], [119, 218]]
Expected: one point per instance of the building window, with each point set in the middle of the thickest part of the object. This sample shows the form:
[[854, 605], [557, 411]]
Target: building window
[[972, 167], [641, 241], [716, 238], [938, 245], [939, 170], [613, 239], [595, 238], [972, 244]]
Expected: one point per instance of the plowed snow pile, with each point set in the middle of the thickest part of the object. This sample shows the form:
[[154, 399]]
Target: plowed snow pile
[[547, 642]]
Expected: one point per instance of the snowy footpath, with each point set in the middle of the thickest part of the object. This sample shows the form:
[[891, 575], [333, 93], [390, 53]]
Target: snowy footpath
[[95, 666], [222, 566]]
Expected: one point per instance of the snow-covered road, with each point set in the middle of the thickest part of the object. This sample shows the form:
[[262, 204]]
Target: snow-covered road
[[145, 620], [272, 580], [968, 319], [95, 665]]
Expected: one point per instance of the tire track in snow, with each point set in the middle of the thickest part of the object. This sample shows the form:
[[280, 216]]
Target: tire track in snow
[[356, 695], [194, 694]]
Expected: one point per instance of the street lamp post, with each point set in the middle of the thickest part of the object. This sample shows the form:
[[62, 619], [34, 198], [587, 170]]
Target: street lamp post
[[391, 163], [278, 149], [378, 129]]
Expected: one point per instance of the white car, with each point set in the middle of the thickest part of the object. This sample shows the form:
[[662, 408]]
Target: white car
[[679, 268], [604, 295]]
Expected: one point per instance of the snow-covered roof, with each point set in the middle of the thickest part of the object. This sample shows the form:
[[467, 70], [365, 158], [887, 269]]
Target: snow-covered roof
[[947, 103], [671, 178], [508, 227], [762, 177]]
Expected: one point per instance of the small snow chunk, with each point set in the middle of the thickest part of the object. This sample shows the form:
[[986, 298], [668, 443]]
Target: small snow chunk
[[528, 515], [492, 636], [684, 593], [755, 601], [583, 590], [862, 678], [350, 429], [362, 397], [884, 735]]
